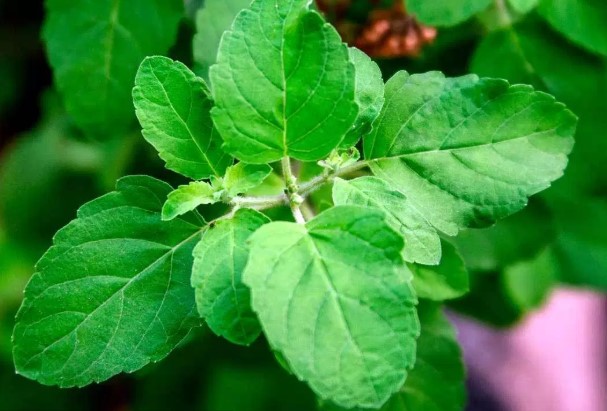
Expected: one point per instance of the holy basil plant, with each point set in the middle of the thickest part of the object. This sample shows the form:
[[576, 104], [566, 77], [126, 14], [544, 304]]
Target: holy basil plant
[[335, 293]]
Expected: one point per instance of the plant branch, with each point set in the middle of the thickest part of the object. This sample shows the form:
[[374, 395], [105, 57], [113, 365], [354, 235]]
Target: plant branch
[[293, 196], [264, 203]]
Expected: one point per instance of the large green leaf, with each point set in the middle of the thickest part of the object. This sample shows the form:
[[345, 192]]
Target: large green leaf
[[369, 95], [422, 243], [445, 281], [112, 294], [334, 298], [95, 47], [283, 84], [437, 382], [219, 260], [582, 21], [445, 12], [173, 107], [468, 151], [531, 53], [212, 20]]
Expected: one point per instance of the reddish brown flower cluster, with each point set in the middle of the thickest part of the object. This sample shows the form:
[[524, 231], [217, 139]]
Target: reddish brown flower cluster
[[387, 32]]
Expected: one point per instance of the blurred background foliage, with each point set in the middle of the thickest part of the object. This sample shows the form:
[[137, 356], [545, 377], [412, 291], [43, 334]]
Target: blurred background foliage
[[49, 166]]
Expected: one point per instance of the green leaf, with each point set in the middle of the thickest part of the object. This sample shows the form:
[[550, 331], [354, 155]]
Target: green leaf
[[523, 6], [112, 294], [422, 243], [532, 53], [446, 281], [489, 301], [530, 282], [219, 260], [369, 95], [212, 20], [509, 241], [283, 84], [173, 107], [334, 298], [437, 382], [581, 246], [243, 177], [187, 198], [445, 12], [95, 48], [468, 151], [581, 21]]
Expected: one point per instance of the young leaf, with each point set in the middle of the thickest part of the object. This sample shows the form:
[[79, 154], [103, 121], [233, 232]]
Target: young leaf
[[468, 151], [369, 95], [95, 48], [112, 293], [219, 260], [334, 298], [215, 17], [437, 382], [446, 281], [421, 239], [445, 12], [581, 21], [283, 84], [173, 107], [187, 198], [243, 177]]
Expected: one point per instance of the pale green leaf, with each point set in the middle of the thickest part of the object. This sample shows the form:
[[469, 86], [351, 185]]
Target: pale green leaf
[[446, 281], [334, 298], [369, 95], [243, 177], [212, 20], [581, 21], [95, 47], [112, 294], [173, 107], [468, 151], [422, 243], [529, 282], [445, 12], [219, 260], [437, 382], [187, 198], [283, 84]]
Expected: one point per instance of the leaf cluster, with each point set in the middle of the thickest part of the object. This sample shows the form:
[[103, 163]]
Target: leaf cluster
[[336, 291]]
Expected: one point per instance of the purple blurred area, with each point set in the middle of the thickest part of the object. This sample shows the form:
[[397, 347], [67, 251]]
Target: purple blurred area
[[555, 360]]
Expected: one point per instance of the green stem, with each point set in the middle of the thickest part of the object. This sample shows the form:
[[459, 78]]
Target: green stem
[[294, 198], [303, 191]]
